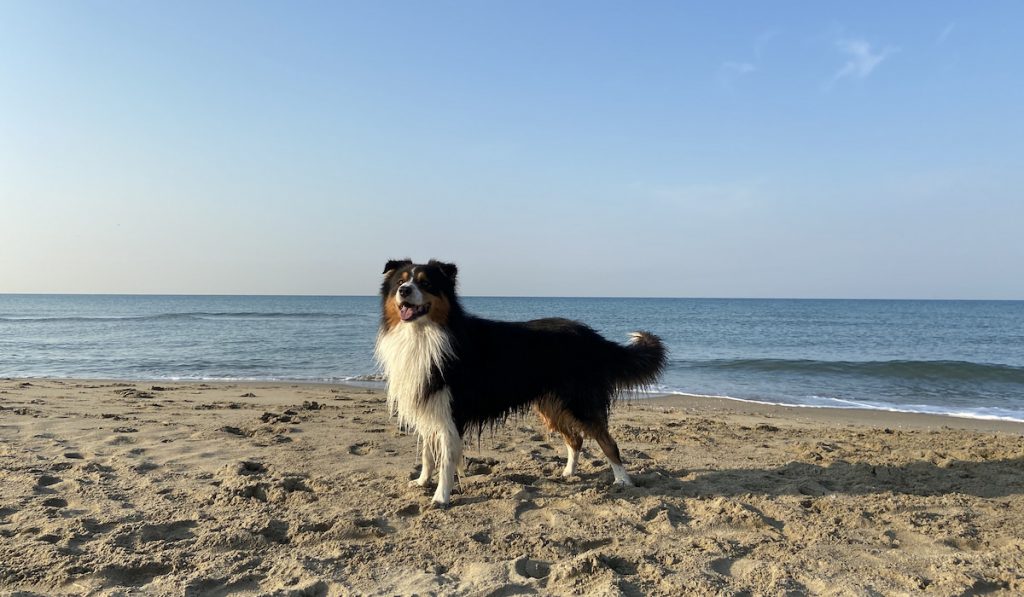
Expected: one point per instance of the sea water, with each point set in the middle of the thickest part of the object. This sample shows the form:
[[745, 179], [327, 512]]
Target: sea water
[[963, 358]]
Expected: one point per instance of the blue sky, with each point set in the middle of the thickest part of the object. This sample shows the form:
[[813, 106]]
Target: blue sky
[[735, 149]]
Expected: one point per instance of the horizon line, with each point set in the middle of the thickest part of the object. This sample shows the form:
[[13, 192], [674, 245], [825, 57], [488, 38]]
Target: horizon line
[[517, 296]]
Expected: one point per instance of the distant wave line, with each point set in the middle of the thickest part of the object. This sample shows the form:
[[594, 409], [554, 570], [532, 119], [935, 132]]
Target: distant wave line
[[200, 315]]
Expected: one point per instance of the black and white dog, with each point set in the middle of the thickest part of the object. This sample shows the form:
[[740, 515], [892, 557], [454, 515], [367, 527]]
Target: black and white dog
[[449, 372]]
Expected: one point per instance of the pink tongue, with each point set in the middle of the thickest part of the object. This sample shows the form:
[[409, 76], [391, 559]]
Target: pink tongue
[[406, 313]]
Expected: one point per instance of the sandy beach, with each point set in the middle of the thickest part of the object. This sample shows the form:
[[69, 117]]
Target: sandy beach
[[162, 488]]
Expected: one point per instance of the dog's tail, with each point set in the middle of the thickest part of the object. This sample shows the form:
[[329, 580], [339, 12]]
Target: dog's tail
[[641, 362]]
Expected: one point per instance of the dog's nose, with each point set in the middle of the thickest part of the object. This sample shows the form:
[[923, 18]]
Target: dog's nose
[[404, 291]]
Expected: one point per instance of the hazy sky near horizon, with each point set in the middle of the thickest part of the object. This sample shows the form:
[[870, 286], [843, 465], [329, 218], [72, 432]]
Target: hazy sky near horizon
[[726, 149]]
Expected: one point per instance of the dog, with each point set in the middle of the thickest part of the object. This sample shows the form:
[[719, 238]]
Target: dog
[[450, 373]]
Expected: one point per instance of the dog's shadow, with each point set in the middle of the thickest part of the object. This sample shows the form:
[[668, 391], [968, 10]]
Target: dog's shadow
[[984, 479]]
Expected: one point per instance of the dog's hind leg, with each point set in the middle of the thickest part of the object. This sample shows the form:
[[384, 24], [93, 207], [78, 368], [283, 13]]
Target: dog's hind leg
[[556, 417], [428, 460], [611, 451]]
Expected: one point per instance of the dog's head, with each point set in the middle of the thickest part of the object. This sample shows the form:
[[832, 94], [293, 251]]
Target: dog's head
[[414, 293]]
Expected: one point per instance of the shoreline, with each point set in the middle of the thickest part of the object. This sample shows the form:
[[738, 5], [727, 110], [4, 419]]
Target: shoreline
[[829, 414], [114, 487]]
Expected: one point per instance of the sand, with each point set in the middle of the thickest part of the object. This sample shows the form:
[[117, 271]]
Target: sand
[[158, 488]]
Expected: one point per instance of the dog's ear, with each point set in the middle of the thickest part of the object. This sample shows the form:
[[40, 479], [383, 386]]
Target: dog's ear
[[447, 269], [395, 264]]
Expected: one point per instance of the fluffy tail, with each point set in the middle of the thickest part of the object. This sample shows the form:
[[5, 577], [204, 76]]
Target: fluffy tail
[[640, 363]]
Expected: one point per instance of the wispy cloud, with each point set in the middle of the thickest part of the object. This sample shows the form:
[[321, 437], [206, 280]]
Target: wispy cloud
[[944, 34], [861, 59], [732, 70], [739, 68]]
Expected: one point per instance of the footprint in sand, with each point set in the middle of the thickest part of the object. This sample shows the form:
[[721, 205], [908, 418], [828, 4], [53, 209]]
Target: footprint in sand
[[47, 480], [294, 483], [528, 568], [232, 430], [55, 503], [410, 510], [144, 467], [250, 467], [365, 528], [479, 466], [525, 507], [360, 448], [179, 530], [522, 479]]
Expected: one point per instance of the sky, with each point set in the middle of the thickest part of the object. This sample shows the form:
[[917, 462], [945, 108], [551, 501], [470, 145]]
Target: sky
[[712, 149]]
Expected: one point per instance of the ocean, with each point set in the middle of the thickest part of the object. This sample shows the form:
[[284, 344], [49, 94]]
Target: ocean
[[958, 358]]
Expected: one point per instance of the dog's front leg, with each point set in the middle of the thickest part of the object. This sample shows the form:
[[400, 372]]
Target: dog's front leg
[[449, 454], [428, 460]]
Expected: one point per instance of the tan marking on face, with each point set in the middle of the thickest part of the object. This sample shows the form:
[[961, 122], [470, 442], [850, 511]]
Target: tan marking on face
[[391, 316], [440, 308], [421, 276]]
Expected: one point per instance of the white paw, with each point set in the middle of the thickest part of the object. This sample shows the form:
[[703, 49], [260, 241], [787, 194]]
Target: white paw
[[419, 482], [442, 496], [623, 482]]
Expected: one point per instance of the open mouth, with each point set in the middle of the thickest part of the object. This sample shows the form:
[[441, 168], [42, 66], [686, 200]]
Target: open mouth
[[411, 312]]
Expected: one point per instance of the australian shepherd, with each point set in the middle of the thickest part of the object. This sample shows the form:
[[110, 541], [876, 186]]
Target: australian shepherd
[[450, 373]]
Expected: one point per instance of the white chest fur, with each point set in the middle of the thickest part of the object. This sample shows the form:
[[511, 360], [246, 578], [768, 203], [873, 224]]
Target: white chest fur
[[407, 354]]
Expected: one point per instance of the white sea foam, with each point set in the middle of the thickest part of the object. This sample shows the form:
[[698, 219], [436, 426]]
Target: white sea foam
[[981, 413]]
